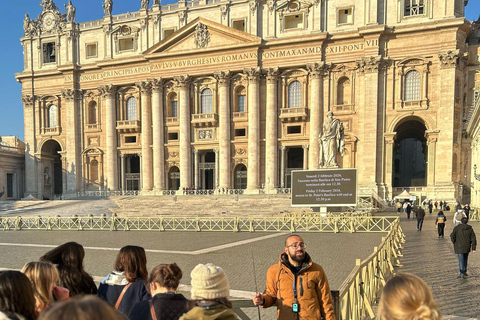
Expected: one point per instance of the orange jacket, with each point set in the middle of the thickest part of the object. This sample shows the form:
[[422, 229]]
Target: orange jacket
[[313, 291]]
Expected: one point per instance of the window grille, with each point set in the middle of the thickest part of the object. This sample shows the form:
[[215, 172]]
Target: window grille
[[412, 86], [52, 116], [206, 101], [241, 103], [414, 7], [294, 95], [132, 108]]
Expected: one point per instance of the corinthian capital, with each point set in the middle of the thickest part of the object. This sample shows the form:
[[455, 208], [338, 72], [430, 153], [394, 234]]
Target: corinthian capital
[[144, 86], [182, 81], [272, 74], [69, 94], [370, 64], [28, 100], [449, 59], [157, 84], [107, 91], [253, 74], [223, 77], [316, 70]]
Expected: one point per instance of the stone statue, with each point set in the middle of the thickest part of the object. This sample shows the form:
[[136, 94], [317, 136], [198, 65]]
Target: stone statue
[[46, 177], [107, 7], [26, 23], [156, 2], [145, 4], [331, 141], [70, 11]]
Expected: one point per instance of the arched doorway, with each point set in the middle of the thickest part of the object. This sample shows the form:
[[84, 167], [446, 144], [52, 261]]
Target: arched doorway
[[410, 154], [294, 162], [240, 177], [51, 170], [174, 178]]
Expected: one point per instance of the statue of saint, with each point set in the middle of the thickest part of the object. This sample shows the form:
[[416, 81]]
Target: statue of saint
[[26, 23], [331, 141], [70, 11], [145, 4], [156, 2], [46, 177], [107, 7]]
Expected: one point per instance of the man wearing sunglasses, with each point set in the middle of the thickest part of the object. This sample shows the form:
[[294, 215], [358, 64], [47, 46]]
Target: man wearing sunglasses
[[297, 286]]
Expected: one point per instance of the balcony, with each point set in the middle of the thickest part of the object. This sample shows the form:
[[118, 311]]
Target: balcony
[[240, 116], [94, 127], [293, 114], [414, 104], [53, 131], [128, 126], [343, 109], [204, 119], [172, 122]]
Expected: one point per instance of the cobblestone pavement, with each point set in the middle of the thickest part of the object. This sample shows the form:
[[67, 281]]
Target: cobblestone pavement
[[433, 260], [54, 208]]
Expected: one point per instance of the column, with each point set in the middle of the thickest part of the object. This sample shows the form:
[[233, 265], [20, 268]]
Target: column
[[158, 135], [183, 83], [305, 157], [145, 88], [271, 133], [223, 164], [122, 172], [316, 111], [217, 168], [73, 156], [432, 138], [282, 166], [31, 174], [389, 142], [108, 93], [253, 169], [196, 169]]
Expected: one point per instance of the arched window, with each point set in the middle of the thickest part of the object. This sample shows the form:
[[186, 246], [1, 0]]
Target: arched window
[[94, 170], [52, 116], [92, 112], [412, 86], [241, 99], [206, 101], [294, 94], [173, 112], [132, 108], [343, 91]]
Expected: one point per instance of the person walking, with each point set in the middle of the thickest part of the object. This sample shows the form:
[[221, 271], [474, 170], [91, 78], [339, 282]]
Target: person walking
[[430, 207], [466, 209], [457, 218], [296, 285], [440, 223], [436, 204], [399, 206], [420, 216], [464, 242], [408, 209]]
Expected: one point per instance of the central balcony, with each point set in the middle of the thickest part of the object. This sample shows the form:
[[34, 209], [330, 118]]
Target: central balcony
[[128, 126], [293, 114], [204, 119]]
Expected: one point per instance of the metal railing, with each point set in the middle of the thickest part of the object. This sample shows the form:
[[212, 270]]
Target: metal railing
[[313, 223]]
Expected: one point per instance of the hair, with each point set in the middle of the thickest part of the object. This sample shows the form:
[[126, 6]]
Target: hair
[[82, 307], [43, 276], [292, 235], [193, 303], [69, 260], [166, 275], [407, 297], [133, 261], [464, 220], [16, 294], [440, 212]]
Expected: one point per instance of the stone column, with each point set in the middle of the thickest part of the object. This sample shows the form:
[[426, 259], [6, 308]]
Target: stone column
[[183, 83], [158, 135], [31, 174], [389, 142], [217, 168], [196, 169], [145, 88], [224, 139], [122, 173], [432, 138], [305, 157], [253, 170], [282, 166], [108, 93], [316, 111], [271, 132]]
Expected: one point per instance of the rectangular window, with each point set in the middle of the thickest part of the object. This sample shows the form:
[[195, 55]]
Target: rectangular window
[[239, 25], [125, 44], [131, 139], [168, 32], [91, 50], [414, 7], [345, 16], [173, 136], [49, 52], [241, 103], [174, 110], [294, 21], [294, 129], [240, 132], [9, 185]]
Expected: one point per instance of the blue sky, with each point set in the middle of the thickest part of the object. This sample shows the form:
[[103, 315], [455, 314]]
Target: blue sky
[[12, 13]]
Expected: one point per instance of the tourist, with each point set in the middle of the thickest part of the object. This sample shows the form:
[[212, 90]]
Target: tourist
[[464, 242], [44, 277], [163, 282], [408, 208], [312, 300], [399, 206], [82, 308], [436, 204], [16, 296], [440, 223], [68, 258], [420, 215], [209, 294], [430, 207], [407, 297], [457, 218], [467, 209], [125, 286]]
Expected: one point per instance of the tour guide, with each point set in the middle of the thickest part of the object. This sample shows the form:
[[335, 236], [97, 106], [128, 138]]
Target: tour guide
[[297, 286]]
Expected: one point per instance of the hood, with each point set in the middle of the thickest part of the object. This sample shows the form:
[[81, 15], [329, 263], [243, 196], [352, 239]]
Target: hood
[[464, 226], [306, 262], [115, 278]]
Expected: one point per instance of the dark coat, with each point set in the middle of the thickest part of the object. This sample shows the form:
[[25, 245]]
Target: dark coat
[[420, 213], [463, 238], [166, 306], [135, 293]]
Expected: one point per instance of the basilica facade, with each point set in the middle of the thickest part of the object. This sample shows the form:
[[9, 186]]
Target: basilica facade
[[233, 94]]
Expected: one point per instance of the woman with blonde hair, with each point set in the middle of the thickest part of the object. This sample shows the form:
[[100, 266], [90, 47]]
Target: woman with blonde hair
[[44, 276], [407, 297]]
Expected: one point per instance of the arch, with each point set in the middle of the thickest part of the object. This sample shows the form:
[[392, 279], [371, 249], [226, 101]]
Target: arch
[[343, 91], [46, 143], [172, 104], [294, 72], [174, 178], [52, 170], [412, 86], [132, 113], [206, 101], [428, 121], [93, 149], [294, 94], [240, 176]]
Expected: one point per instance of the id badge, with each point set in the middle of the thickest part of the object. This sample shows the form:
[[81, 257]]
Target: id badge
[[295, 307]]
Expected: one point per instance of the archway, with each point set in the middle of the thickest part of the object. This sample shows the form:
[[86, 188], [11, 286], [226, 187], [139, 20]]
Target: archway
[[410, 154], [174, 178], [240, 177], [207, 171], [51, 169]]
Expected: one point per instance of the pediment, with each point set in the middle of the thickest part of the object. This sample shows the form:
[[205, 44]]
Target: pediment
[[294, 5], [203, 35]]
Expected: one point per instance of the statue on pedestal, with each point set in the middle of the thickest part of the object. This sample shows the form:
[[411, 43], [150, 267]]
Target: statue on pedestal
[[70, 11], [107, 7], [331, 141], [145, 4]]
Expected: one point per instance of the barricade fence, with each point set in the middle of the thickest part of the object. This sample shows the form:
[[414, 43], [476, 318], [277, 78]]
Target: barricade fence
[[300, 223]]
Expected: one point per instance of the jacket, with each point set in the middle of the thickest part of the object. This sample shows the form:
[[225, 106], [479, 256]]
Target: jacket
[[441, 219], [112, 285], [220, 312], [463, 238], [313, 290], [166, 305], [420, 213], [457, 218]]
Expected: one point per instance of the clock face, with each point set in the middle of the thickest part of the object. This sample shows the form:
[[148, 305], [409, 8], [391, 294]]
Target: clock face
[[48, 21]]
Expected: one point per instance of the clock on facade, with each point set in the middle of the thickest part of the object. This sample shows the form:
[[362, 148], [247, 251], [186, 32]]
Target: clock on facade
[[48, 21]]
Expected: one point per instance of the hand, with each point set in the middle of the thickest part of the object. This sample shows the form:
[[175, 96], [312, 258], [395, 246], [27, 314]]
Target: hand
[[258, 299], [61, 293], [473, 251]]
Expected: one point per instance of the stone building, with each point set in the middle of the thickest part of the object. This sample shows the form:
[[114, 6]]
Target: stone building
[[234, 93], [12, 168]]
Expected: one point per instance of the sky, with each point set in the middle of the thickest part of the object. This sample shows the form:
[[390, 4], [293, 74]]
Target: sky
[[12, 13]]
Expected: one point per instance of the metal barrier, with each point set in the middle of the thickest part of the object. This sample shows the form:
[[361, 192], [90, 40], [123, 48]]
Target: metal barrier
[[474, 215], [314, 223]]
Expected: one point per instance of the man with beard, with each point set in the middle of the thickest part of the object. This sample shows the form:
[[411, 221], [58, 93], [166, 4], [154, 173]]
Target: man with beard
[[297, 286]]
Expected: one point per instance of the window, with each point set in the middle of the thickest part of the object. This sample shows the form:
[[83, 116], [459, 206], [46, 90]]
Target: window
[[241, 103], [414, 7], [91, 50], [294, 21], [345, 16], [206, 101], [94, 170], [92, 112], [173, 136], [241, 100], [343, 91], [240, 132], [239, 25], [173, 112], [132, 108], [125, 44], [294, 129], [130, 139], [52, 116], [49, 52], [167, 32], [412, 86], [294, 94]]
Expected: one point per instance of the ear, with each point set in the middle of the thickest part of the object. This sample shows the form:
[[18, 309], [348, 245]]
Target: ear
[[153, 286], [285, 250]]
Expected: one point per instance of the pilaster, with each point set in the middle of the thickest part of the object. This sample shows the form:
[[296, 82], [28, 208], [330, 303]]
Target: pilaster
[[183, 83], [108, 93], [223, 79], [253, 170], [31, 174], [145, 88]]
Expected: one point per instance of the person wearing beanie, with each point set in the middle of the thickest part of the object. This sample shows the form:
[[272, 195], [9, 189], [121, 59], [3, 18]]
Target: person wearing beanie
[[209, 294]]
